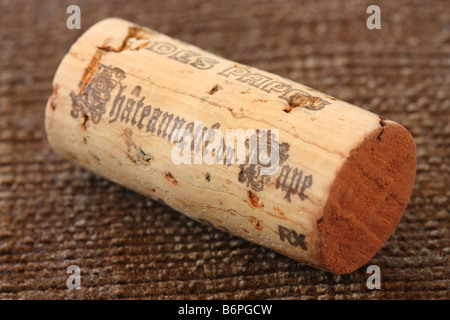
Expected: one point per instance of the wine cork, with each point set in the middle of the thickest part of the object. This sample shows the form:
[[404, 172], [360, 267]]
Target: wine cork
[[237, 148]]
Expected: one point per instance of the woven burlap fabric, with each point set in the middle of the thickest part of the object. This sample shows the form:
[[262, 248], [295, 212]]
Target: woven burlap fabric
[[54, 214]]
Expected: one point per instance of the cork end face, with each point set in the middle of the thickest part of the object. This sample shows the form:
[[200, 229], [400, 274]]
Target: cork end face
[[368, 198]]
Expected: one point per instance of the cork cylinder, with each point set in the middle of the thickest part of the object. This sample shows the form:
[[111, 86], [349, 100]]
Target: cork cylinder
[[123, 94]]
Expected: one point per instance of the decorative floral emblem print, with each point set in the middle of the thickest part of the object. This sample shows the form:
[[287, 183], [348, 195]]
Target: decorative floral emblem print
[[92, 102]]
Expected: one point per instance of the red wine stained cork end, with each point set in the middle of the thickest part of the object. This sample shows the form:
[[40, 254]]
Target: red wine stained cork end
[[368, 198]]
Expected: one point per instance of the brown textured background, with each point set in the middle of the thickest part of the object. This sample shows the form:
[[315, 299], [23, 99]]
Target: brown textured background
[[54, 214]]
